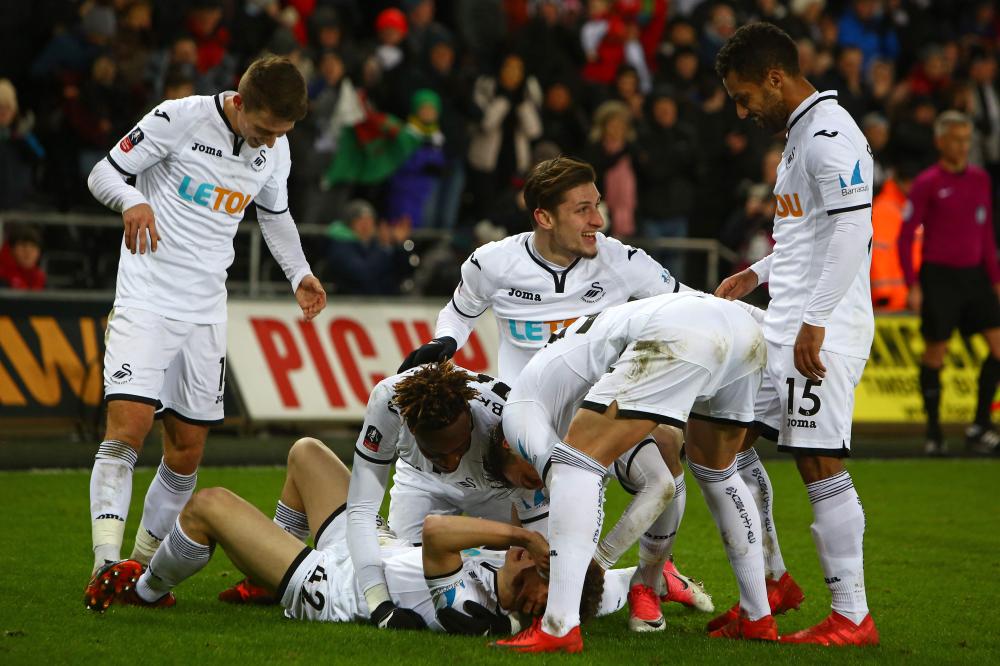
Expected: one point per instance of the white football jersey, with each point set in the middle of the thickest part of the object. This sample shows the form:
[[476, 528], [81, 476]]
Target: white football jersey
[[385, 435], [559, 376], [826, 169], [199, 176], [531, 298]]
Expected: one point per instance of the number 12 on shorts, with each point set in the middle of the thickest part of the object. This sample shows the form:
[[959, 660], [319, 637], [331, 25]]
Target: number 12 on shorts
[[807, 394]]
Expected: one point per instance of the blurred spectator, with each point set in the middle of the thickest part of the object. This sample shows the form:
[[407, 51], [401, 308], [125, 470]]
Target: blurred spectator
[[413, 184], [848, 81], [931, 76], [133, 46], [423, 29], [627, 89], [985, 111], [19, 258], [563, 121], [667, 168], [913, 134], [365, 257], [549, 44], [720, 26], [889, 289], [684, 74], [500, 146], [864, 26], [748, 229], [177, 84], [20, 149], [876, 129], [69, 53], [612, 152], [216, 66], [97, 112], [482, 28], [611, 38], [802, 21]]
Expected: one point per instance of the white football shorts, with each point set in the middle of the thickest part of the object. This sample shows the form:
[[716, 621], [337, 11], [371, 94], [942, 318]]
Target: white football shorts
[[176, 366], [806, 416]]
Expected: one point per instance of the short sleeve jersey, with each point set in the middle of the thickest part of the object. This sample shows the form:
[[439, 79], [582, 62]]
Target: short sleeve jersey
[[384, 435], [560, 375], [531, 299], [826, 170], [198, 176]]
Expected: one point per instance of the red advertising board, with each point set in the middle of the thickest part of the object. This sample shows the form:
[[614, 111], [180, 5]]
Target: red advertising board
[[288, 369]]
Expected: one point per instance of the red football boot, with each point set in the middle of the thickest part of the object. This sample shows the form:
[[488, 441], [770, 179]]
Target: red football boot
[[248, 592], [837, 630], [131, 598], [742, 628], [644, 609], [109, 581], [684, 590], [783, 595], [534, 639]]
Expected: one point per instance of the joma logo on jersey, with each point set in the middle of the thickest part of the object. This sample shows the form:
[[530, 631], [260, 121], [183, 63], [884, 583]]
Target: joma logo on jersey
[[208, 150], [536, 331], [787, 204], [231, 201], [801, 423], [526, 295]]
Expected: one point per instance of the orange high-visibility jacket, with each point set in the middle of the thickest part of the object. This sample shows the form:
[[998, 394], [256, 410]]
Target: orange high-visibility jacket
[[888, 287]]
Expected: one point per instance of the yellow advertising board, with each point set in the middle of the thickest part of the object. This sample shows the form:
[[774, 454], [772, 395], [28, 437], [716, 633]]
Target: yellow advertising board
[[890, 387]]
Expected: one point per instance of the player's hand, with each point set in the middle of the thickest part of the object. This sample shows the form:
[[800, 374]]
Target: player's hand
[[311, 296], [807, 345], [390, 616], [534, 593], [477, 620], [139, 222], [915, 298], [538, 547], [737, 286], [435, 351]]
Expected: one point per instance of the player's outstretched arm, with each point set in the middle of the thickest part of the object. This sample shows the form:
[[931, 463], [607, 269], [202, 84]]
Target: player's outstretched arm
[[737, 286], [445, 537], [436, 351], [310, 296]]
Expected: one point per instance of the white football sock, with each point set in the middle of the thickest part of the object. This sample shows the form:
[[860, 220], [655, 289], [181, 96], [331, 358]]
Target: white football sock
[[736, 516], [167, 495], [576, 512], [838, 529], [653, 484], [177, 559], [755, 476], [292, 521], [617, 583], [110, 494], [657, 543]]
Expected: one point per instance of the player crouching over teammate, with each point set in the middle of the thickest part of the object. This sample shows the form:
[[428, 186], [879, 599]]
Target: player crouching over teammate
[[437, 580]]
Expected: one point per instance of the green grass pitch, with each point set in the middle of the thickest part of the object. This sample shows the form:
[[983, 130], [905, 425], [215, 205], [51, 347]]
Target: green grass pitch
[[932, 561]]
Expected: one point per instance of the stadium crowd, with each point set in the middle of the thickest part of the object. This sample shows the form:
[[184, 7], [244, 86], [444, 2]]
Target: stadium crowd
[[427, 114]]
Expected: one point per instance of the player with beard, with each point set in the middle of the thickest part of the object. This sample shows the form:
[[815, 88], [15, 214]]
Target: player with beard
[[819, 324]]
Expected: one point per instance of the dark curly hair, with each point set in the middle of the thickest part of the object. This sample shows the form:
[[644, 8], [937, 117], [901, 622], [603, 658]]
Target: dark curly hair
[[496, 456], [754, 49], [593, 590], [434, 396]]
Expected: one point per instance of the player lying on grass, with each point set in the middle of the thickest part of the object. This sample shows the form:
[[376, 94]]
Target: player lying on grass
[[437, 420], [647, 518], [456, 569], [631, 368]]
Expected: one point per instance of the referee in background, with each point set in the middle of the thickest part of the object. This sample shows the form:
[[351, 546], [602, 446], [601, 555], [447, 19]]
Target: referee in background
[[959, 281]]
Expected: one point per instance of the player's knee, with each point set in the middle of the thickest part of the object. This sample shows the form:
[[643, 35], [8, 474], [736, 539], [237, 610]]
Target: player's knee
[[304, 447], [206, 501]]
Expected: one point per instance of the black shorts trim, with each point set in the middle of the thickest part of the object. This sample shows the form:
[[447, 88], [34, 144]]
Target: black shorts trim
[[849, 209], [633, 414], [622, 482], [376, 461], [535, 519], [120, 170], [333, 516], [843, 452], [635, 452], [303, 554], [459, 311], [187, 419], [720, 420], [444, 575], [134, 398], [269, 211], [766, 431]]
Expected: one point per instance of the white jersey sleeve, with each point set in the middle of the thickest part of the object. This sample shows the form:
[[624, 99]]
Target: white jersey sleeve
[[476, 580], [374, 450], [154, 138], [644, 275], [470, 300]]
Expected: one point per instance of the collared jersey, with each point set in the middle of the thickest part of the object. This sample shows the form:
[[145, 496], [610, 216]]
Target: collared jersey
[[531, 300], [826, 170], [385, 435], [199, 176]]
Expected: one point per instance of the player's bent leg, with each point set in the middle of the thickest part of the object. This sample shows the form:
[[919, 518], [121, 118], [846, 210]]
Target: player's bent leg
[[838, 529], [316, 483], [981, 436], [173, 485], [128, 423], [712, 451]]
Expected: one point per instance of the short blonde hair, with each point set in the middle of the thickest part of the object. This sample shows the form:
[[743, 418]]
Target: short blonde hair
[[605, 112], [8, 94]]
